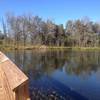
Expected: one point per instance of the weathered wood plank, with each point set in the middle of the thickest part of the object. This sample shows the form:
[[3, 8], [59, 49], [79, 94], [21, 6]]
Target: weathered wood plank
[[13, 82], [5, 91], [22, 92], [14, 75]]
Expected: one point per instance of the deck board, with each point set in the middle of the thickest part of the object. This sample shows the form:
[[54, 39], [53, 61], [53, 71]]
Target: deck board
[[11, 79], [14, 75], [5, 90]]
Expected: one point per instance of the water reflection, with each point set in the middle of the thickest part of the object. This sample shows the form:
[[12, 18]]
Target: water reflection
[[66, 69]]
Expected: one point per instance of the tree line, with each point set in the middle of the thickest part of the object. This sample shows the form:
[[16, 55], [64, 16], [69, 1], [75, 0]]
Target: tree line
[[33, 30]]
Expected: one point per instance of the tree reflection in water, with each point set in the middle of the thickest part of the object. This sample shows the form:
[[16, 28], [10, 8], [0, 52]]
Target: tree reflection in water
[[40, 65]]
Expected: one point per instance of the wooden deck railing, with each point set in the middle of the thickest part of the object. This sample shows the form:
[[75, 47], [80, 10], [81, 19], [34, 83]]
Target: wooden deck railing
[[13, 82]]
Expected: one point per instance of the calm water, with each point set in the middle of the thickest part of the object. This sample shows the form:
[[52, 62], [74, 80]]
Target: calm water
[[60, 75]]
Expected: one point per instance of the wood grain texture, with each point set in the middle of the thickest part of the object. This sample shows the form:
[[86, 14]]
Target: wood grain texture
[[5, 91], [13, 81], [22, 92]]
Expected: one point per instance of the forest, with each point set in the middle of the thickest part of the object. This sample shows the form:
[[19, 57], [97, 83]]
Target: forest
[[25, 30]]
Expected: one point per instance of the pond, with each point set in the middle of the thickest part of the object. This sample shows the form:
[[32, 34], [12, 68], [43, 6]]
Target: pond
[[60, 74]]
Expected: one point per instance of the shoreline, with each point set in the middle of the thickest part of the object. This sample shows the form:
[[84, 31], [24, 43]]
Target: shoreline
[[48, 48]]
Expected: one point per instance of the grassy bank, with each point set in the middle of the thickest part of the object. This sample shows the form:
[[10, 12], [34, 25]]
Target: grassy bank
[[47, 47]]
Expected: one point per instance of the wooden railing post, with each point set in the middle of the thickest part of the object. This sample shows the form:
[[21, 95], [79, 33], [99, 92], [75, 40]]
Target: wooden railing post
[[22, 93]]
